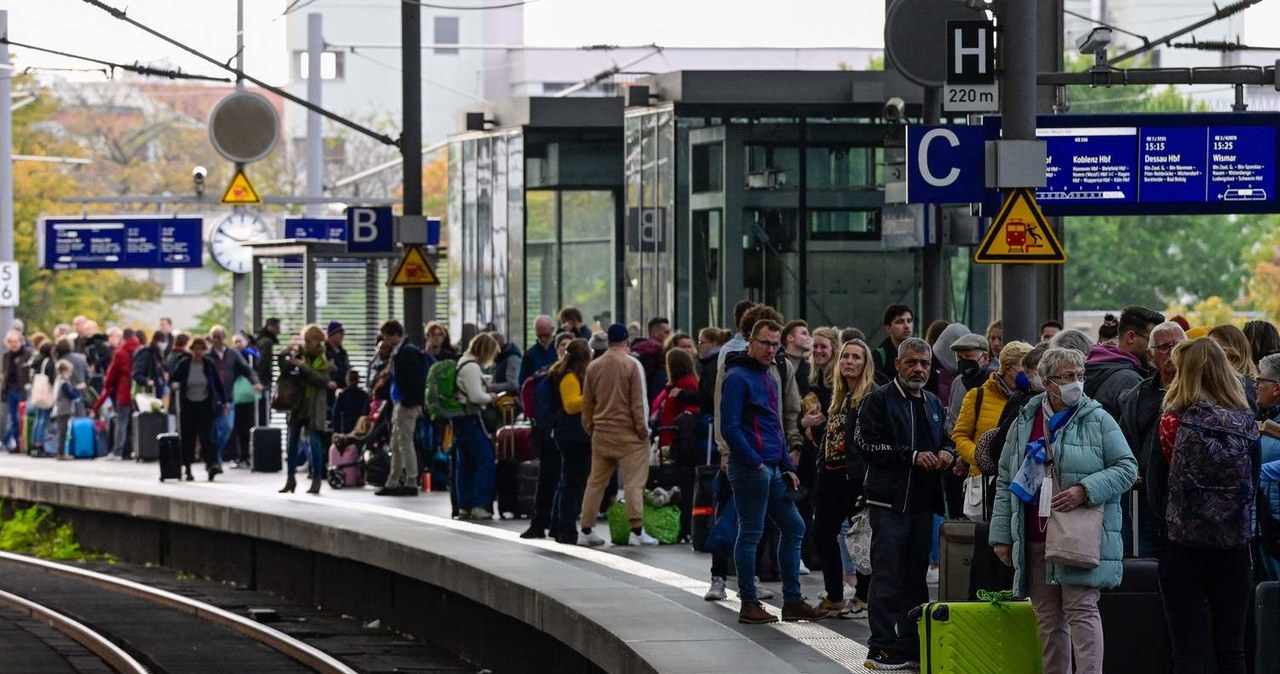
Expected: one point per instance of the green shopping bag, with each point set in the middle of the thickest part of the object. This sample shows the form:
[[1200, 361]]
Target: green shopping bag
[[661, 523]]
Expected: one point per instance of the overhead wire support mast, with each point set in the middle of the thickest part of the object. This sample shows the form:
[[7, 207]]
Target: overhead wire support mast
[[1229, 10], [134, 68], [120, 14]]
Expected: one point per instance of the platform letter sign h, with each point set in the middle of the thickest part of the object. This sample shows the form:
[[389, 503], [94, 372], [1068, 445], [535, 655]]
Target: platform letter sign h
[[970, 52]]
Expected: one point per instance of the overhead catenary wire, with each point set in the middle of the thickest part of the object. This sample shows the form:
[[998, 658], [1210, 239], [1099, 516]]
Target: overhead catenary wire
[[466, 8], [135, 67], [120, 14]]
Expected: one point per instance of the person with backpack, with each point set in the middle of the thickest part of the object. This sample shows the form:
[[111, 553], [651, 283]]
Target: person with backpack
[[562, 393], [540, 405], [898, 322], [1268, 506], [475, 458], [667, 407], [1209, 437], [980, 413], [405, 387]]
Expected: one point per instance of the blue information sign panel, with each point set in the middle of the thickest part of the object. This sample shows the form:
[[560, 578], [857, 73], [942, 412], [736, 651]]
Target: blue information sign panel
[[316, 229], [127, 242], [1156, 164]]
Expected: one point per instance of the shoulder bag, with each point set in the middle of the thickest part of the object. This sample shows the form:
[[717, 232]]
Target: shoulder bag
[[1074, 537]]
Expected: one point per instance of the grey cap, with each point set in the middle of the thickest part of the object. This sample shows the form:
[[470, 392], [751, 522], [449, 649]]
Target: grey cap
[[969, 342]]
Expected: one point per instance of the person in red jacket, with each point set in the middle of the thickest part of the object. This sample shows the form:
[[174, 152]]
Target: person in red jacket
[[680, 377], [118, 385]]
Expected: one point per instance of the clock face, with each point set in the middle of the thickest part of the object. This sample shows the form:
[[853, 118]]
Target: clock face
[[226, 243]]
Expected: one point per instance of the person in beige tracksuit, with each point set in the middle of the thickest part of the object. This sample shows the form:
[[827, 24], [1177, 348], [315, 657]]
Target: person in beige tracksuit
[[615, 414]]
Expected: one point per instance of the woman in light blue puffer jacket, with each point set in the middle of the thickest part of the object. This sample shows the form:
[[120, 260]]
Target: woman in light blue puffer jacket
[[1095, 467]]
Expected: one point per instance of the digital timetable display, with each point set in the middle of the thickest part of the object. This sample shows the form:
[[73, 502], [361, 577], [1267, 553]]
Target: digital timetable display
[[1157, 164]]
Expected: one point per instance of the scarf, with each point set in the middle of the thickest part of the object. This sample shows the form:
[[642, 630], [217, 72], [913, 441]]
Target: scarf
[[1026, 484]]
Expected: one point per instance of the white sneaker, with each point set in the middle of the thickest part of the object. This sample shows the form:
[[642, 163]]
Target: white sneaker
[[642, 538], [804, 570], [763, 593], [717, 591], [591, 540], [932, 576], [481, 514]]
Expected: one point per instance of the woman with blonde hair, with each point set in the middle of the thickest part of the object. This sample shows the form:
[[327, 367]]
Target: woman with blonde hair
[[308, 419], [839, 483], [475, 459], [980, 412], [1208, 437], [1240, 356]]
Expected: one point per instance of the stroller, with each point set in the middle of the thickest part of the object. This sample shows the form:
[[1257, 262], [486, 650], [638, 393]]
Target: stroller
[[362, 457]]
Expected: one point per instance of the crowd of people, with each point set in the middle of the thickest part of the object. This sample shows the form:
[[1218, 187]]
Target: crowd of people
[[1154, 440]]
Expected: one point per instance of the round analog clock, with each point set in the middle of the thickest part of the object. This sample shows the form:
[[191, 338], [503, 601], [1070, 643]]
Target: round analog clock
[[228, 239]]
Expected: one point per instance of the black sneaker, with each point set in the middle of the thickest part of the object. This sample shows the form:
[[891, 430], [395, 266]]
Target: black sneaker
[[883, 660]]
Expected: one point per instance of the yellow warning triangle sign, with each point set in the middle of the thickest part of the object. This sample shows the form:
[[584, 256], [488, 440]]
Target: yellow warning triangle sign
[[413, 271], [1020, 234], [241, 191]]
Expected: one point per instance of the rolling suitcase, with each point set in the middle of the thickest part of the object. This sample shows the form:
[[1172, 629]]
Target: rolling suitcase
[[1133, 614], [703, 512], [169, 447], [986, 571], [527, 489], [82, 439], [979, 638], [147, 426], [507, 489], [1267, 614], [265, 446], [955, 556]]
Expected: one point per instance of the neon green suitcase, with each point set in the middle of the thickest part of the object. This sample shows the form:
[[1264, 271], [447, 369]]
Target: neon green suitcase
[[978, 637]]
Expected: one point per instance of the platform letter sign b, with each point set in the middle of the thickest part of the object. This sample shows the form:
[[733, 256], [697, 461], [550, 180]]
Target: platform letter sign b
[[364, 225], [369, 229]]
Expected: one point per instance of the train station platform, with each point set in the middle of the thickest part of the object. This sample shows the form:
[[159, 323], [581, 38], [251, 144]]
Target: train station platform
[[613, 609]]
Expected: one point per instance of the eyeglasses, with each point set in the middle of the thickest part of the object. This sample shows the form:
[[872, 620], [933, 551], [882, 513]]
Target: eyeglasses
[[1068, 378], [1164, 348], [772, 346], [1269, 381]]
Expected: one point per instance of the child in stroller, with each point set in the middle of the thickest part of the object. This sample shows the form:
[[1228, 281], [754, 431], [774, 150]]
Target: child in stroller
[[361, 456]]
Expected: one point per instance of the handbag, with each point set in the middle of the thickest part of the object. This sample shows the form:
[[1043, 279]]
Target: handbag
[[1073, 538], [41, 392], [975, 495], [857, 541], [288, 392], [982, 453], [242, 392]]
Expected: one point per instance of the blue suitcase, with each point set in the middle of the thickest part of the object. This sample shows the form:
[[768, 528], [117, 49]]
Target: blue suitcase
[[82, 439]]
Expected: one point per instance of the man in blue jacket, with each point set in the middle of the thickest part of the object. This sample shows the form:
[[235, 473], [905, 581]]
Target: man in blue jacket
[[761, 473], [901, 439]]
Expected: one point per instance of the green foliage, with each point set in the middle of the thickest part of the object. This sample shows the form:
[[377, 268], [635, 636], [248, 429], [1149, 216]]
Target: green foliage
[[34, 531], [219, 311], [1154, 261]]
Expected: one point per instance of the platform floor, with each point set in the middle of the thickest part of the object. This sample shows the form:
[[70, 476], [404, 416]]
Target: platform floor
[[680, 574]]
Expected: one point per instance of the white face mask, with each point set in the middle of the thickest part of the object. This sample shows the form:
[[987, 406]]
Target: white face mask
[[1070, 393]]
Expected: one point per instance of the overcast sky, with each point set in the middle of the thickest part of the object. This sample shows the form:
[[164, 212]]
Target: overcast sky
[[209, 25]]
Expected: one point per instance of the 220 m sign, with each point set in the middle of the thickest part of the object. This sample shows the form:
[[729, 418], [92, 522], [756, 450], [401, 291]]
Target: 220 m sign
[[971, 98]]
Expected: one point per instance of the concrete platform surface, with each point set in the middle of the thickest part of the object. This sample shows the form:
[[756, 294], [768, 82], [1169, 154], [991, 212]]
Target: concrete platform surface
[[626, 609]]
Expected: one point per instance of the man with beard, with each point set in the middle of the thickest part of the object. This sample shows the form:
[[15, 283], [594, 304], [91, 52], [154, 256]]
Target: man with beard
[[901, 438]]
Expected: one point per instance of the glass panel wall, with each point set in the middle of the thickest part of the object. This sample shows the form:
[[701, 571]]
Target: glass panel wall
[[649, 260]]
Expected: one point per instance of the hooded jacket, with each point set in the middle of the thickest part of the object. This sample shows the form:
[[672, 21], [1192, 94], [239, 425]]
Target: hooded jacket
[[1091, 453], [1110, 371], [118, 383], [945, 368], [751, 414]]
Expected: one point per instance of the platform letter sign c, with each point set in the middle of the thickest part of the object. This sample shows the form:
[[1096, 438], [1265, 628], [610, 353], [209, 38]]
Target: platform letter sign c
[[364, 225], [923, 157]]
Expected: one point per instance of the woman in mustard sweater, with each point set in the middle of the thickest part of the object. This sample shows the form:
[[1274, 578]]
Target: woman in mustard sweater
[[573, 442], [979, 413]]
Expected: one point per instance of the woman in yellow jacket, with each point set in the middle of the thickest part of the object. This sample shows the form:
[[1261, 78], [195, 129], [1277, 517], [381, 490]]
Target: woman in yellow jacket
[[979, 413]]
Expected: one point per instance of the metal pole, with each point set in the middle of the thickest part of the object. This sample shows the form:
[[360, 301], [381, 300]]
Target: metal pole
[[6, 160], [1018, 110], [239, 282], [411, 146], [315, 132], [1052, 295], [933, 290]]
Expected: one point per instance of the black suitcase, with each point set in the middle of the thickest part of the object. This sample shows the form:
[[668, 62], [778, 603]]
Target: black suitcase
[[986, 571], [507, 486], [265, 446], [1133, 615], [703, 511], [169, 451], [1267, 613], [147, 428], [669, 476], [527, 492]]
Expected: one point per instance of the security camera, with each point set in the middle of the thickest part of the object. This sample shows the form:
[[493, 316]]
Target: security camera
[[895, 109], [1095, 42], [197, 179]]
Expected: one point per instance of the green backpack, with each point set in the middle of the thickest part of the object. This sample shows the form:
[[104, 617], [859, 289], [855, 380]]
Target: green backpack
[[443, 399]]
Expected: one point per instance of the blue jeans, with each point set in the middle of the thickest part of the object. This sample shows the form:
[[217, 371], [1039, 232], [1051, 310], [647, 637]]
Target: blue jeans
[[314, 445], [899, 561], [760, 491], [475, 464], [12, 430]]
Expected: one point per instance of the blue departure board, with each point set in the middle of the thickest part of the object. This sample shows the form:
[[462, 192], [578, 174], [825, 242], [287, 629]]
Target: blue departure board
[[121, 242]]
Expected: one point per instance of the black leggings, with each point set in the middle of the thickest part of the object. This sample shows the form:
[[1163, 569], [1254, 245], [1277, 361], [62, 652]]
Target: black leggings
[[1206, 599], [196, 423], [833, 502]]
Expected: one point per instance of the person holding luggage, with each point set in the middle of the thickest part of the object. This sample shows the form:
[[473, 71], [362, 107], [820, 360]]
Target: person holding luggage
[[476, 468], [1066, 433], [244, 399], [117, 386], [68, 404], [572, 442], [197, 392], [308, 418], [1208, 436], [836, 491]]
